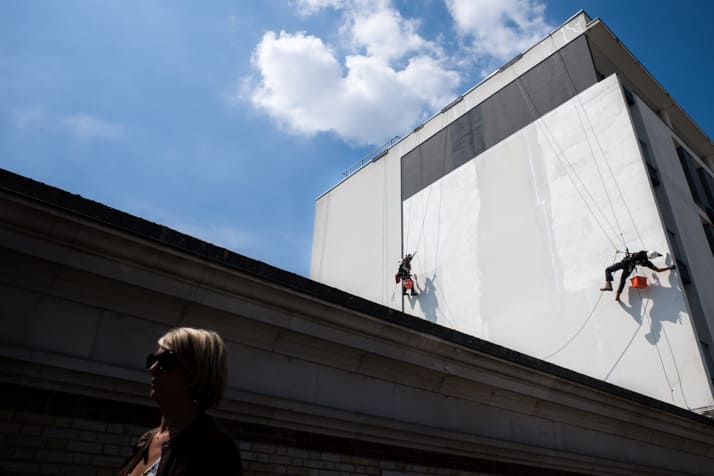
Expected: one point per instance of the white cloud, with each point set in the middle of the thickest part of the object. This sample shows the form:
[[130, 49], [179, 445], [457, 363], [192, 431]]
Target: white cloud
[[86, 127], [499, 29], [308, 7], [386, 34], [80, 125], [389, 79]]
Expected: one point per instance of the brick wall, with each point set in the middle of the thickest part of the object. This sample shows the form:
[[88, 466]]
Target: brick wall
[[37, 443], [264, 459], [50, 433]]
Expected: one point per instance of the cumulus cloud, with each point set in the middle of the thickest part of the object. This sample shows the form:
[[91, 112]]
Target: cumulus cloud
[[389, 78], [499, 29], [308, 7], [80, 125], [386, 34]]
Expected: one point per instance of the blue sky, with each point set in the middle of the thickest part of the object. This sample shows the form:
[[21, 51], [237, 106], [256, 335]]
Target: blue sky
[[226, 119]]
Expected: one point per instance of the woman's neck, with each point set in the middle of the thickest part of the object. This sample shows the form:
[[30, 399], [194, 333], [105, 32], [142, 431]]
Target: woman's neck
[[176, 419]]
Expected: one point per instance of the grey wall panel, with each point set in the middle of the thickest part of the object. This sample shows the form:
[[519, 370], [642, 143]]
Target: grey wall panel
[[411, 173], [537, 91], [579, 63], [504, 113], [433, 154], [547, 85], [459, 142]]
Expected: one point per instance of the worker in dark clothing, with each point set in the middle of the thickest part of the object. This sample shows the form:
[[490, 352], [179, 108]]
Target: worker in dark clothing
[[404, 274], [627, 265]]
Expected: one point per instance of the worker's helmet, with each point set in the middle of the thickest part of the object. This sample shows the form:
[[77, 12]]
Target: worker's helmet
[[408, 256], [653, 255]]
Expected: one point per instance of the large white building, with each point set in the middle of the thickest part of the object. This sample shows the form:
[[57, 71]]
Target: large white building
[[517, 196]]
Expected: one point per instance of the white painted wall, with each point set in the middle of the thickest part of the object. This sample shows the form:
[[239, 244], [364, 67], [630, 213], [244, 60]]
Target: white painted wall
[[356, 244], [509, 249]]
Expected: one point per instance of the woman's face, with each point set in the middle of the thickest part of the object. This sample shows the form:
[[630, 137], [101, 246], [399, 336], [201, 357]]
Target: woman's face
[[169, 381]]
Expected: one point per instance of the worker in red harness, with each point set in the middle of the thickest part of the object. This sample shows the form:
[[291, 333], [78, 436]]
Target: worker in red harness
[[627, 265], [404, 274]]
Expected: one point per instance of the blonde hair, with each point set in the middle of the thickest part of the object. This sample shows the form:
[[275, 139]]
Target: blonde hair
[[202, 354]]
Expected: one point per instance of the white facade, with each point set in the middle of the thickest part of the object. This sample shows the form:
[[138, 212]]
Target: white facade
[[511, 246]]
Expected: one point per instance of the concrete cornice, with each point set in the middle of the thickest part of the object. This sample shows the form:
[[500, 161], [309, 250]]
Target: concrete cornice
[[649, 89]]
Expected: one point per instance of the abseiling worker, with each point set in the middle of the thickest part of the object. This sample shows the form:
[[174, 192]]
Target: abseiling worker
[[404, 274], [627, 265], [188, 376]]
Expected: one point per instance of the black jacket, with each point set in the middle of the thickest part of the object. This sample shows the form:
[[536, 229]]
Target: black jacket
[[202, 449], [637, 259]]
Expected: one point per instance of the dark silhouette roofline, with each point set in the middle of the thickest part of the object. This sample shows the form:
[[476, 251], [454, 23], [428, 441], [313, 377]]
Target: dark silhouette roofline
[[73, 204]]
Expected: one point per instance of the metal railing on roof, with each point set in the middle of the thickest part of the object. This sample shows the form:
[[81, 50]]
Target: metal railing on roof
[[373, 156]]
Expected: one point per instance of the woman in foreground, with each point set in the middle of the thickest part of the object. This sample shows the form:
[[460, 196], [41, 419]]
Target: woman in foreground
[[188, 376]]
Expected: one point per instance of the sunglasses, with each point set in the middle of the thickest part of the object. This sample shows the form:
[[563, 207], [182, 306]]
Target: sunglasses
[[166, 360]]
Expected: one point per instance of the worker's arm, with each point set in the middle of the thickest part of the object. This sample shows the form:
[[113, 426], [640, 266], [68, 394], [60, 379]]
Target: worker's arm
[[666, 268], [648, 264]]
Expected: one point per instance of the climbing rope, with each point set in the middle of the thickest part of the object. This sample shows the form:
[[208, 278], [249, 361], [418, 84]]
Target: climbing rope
[[568, 167], [582, 326], [577, 333], [571, 87], [676, 367]]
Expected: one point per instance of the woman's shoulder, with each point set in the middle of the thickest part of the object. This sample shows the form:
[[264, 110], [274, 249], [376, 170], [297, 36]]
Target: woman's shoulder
[[219, 447], [212, 433]]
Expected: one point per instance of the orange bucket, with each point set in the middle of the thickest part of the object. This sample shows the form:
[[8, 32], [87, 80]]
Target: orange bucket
[[639, 282], [408, 283]]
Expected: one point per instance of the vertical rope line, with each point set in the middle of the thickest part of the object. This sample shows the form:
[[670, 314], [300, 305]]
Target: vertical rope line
[[573, 93], [561, 157], [604, 156], [676, 368]]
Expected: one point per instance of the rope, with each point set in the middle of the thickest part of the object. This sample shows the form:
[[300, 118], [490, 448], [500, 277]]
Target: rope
[[632, 339], [604, 156], [431, 189], [597, 167], [577, 333], [676, 368], [441, 200], [409, 222], [573, 93], [661, 360], [646, 313], [423, 221], [561, 157]]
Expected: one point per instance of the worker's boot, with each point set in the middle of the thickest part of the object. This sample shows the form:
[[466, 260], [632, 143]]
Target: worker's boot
[[607, 287], [414, 293], [617, 297]]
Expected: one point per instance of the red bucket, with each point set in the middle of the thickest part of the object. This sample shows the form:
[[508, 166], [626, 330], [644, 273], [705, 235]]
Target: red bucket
[[639, 282], [408, 283]]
